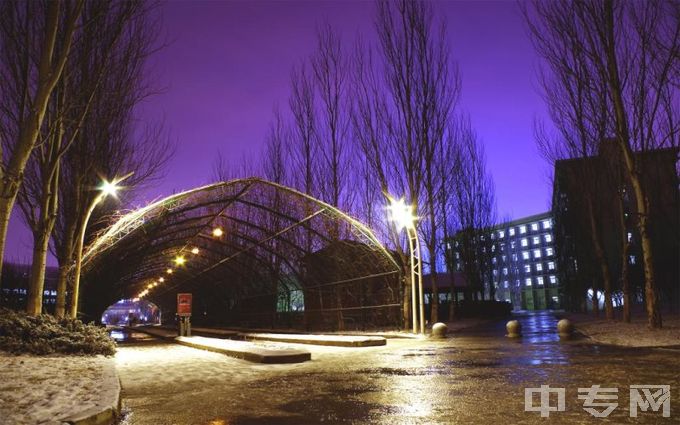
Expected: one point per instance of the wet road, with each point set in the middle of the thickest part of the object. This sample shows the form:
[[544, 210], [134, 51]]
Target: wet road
[[477, 377]]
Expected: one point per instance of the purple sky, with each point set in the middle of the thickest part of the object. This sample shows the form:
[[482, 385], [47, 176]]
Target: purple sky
[[228, 63]]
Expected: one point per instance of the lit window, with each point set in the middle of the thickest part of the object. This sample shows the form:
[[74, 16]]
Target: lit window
[[548, 238], [629, 236], [493, 260], [495, 272], [534, 226], [512, 244], [539, 267], [631, 259], [493, 248], [537, 253], [525, 242], [512, 231], [525, 255], [501, 234], [527, 268], [457, 255], [528, 281], [553, 279], [548, 251], [493, 236], [514, 257], [505, 283], [551, 265], [539, 280], [505, 271], [536, 240], [522, 229], [504, 257], [547, 224]]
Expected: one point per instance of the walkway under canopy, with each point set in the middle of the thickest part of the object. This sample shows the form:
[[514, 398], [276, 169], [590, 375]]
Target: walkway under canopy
[[253, 253]]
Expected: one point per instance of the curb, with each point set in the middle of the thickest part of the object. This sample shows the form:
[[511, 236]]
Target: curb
[[105, 414]]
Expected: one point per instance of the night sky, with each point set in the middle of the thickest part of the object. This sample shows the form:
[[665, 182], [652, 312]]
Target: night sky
[[228, 63]]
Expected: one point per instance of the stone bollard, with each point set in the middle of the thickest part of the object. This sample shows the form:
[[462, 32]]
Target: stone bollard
[[514, 329], [439, 330], [565, 329]]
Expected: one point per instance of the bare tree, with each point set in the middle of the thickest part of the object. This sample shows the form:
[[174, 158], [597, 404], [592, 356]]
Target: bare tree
[[35, 42], [630, 50], [108, 142], [103, 24]]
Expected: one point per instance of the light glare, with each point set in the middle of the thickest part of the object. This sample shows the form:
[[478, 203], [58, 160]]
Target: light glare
[[217, 232], [401, 214]]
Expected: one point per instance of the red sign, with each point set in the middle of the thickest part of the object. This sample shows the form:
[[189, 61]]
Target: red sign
[[184, 304]]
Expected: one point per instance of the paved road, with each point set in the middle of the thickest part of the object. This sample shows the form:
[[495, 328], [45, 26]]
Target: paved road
[[478, 377]]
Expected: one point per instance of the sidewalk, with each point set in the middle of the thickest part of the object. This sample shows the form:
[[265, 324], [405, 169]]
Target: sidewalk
[[58, 389], [634, 334]]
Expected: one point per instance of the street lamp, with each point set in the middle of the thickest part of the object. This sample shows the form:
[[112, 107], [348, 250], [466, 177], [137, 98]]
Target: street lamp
[[402, 216], [105, 189]]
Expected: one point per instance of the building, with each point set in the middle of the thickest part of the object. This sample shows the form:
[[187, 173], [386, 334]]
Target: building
[[14, 286], [517, 262], [610, 198]]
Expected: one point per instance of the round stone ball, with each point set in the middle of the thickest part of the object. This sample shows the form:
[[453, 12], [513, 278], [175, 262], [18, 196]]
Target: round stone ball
[[514, 328], [439, 330], [564, 327]]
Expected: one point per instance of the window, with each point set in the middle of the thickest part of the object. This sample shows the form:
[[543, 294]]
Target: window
[[629, 236], [525, 255], [537, 253], [551, 265], [547, 224], [512, 231], [539, 267], [505, 283], [536, 240], [493, 248], [525, 242], [548, 238], [522, 229], [539, 280], [534, 226], [493, 260], [514, 257], [631, 259], [553, 279], [495, 272], [527, 268], [457, 255], [528, 281], [501, 234], [549, 251], [512, 244], [505, 271], [504, 257]]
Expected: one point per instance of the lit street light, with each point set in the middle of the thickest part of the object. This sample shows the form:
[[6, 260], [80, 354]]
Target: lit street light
[[107, 188], [402, 216]]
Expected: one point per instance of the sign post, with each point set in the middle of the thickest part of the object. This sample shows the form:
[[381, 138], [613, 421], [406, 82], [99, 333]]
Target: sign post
[[184, 313]]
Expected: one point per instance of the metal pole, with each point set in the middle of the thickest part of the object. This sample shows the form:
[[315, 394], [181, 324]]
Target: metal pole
[[414, 304], [419, 270]]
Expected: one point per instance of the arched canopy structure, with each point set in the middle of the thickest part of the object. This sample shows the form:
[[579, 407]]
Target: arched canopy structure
[[253, 253]]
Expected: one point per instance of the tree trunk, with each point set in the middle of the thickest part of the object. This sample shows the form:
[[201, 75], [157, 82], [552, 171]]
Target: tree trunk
[[604, 265], [434, 304], [36, 283], [623, 139]]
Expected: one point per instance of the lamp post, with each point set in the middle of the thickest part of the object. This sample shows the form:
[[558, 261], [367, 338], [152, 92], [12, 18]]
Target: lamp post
[[403, 217], [106, 188]]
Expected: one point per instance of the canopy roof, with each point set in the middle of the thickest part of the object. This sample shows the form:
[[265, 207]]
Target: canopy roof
[[269, 236]]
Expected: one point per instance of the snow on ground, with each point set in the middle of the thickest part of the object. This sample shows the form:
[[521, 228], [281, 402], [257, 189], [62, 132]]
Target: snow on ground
[[634, 334], [35, 389]]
